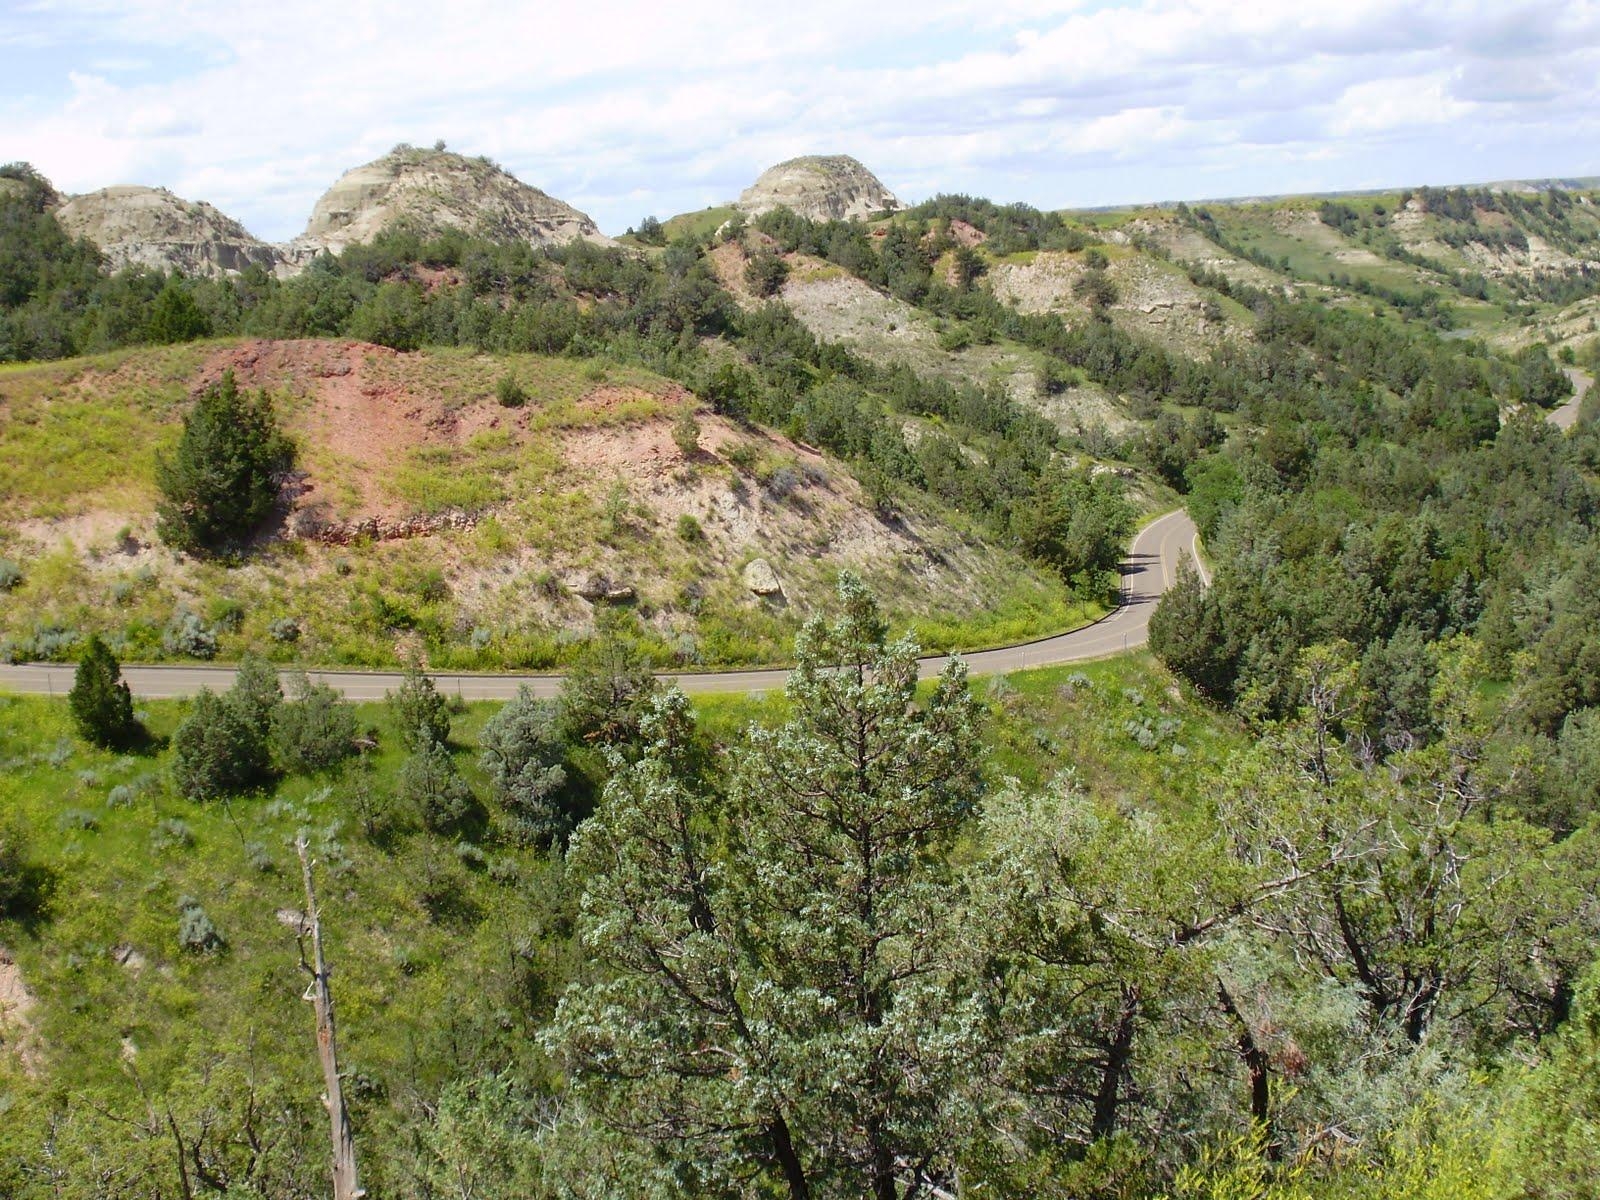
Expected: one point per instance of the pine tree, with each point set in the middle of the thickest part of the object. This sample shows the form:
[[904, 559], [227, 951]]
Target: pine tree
[[222, 481], [100, 701]]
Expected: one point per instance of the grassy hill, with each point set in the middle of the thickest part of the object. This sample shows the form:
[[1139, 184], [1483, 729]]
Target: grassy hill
[[426, 516]]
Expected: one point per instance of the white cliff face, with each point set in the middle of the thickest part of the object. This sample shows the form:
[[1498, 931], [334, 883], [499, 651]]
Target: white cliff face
[[151, 227], [821, 187], [436, 190]]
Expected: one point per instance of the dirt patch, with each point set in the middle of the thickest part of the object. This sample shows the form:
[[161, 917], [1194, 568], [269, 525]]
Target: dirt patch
[[728, 262], [353, 426], [17, 1003], [964, 234]]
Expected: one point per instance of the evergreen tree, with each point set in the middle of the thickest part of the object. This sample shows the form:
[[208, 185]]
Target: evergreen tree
[[609, 687], [101, 703], [175, 317], [419, 712], [222, 481], [798, 1008], [225, 743], [216, 750], [523, 750], [433, 787]]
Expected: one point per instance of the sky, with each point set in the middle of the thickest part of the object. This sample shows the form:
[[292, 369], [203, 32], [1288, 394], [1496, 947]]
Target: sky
[[627, 109]]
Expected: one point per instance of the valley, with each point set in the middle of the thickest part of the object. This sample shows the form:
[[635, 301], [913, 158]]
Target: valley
[[823, 695]]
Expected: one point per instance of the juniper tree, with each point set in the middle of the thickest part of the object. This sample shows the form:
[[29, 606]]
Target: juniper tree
[[224, 745], [433, 787], [788, 995], [419, 712], [101, 704], [523, 751], [222, 480]]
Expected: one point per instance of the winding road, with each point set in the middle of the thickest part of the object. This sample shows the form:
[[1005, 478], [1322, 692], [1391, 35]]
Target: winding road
[[1566, 416], [1150, 569]]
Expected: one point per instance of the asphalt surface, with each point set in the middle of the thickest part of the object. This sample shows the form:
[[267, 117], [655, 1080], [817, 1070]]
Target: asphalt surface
[[1150, 568], [1566, 416]]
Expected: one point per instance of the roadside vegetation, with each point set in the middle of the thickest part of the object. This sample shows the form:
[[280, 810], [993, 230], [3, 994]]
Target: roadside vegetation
[[1299, 905], [1094, 949]]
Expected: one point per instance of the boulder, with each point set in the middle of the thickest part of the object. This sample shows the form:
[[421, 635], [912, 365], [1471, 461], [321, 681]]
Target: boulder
[[761, 579]]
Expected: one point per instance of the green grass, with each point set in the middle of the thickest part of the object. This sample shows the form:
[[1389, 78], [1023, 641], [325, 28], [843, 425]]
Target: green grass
[[1312, 253], [118, 882], [698, 225], [86, 432], [119, 872], [1125, 727]]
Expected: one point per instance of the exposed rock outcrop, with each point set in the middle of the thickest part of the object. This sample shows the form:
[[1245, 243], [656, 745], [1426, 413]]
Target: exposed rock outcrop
[[597, 588], [760, 578], [435, 190], [832, 187], [153, 228], [311, 526]]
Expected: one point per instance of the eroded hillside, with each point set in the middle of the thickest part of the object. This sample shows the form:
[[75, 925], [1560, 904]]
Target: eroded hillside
[[426, 516]]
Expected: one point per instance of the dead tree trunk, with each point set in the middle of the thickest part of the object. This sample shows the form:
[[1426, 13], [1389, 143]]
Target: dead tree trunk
[[346, 1185]]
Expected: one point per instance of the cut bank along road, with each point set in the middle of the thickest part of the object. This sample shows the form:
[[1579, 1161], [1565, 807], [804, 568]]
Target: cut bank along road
[[1149, 570]]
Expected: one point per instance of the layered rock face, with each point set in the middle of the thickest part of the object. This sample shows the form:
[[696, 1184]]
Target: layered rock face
[[151, 227], [434, 190], [832, 187]]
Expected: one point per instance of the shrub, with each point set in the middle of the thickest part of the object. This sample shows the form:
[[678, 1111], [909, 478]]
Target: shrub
[[196, 931], [187, 634], [260, 860], [609, 686], [782, 483], [314, 732], [284, 629], [51, 642], [419, 712], [509, 392], [21, 880], [222, 746], [101, 704], [223, 479], [765, 273], [686, 432], [523, 753], [689, 529], [10, 574], [171, 833]]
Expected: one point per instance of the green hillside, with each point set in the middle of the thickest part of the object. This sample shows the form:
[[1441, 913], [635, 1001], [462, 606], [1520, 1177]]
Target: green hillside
[[1298, 905]]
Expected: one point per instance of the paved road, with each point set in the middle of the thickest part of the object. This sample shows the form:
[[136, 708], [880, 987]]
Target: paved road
[[1150, 569], [1566, 416]]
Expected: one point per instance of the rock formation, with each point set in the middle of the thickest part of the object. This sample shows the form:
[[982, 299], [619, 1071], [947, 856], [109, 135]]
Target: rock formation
[[821, 187], [154, 228], [760, 578], [435, 190]]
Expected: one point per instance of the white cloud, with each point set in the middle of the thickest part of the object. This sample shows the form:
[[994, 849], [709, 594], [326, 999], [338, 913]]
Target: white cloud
[[628, 107]]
